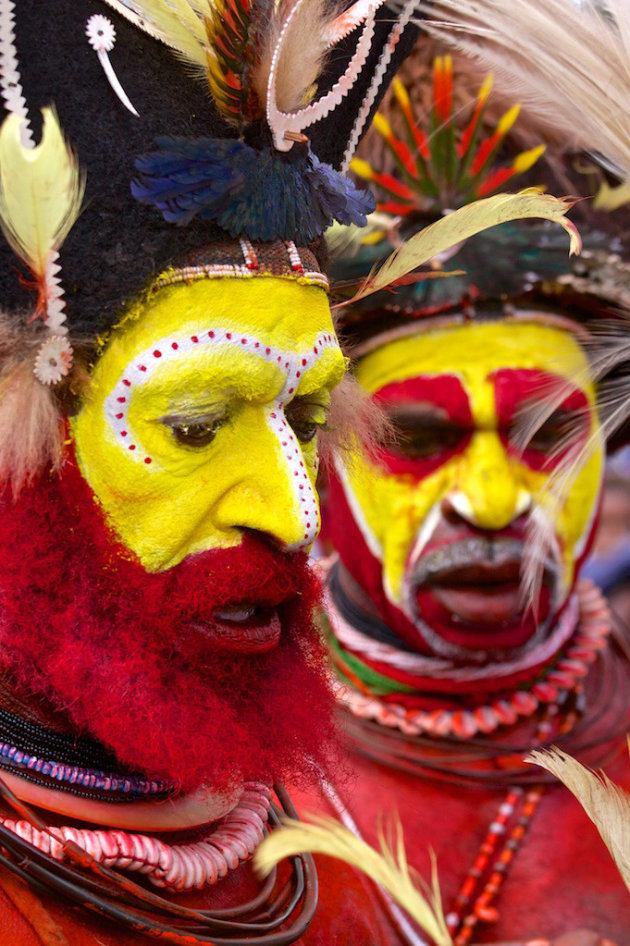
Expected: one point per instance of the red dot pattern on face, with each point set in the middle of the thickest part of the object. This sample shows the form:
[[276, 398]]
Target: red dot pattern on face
[[513, 388], [444, 392]]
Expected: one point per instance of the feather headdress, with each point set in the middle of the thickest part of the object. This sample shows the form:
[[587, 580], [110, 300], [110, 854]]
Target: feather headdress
[[262, 62]]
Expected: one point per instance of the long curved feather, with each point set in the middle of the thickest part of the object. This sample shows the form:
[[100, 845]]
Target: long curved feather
[[607, 805], [387, 867], [41, 190], [462, 224]]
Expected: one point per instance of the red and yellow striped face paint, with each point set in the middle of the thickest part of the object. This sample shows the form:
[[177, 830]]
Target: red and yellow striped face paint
[[453, 395], [203, 413]]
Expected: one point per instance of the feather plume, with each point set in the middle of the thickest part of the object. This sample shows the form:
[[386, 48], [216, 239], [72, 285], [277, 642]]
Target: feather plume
[[233, 42], [387, 867], [462, 224], [570, 67], [607, 805], [31, 427], [41, 190], [228, 28], [178, 24], [303, 53], [219, 179]]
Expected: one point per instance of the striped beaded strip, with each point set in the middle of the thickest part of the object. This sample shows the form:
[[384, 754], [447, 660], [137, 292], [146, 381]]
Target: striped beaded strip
[[179, 867], [471, 906], [13, 758], [469, 909], [590, 637], [188, 274]]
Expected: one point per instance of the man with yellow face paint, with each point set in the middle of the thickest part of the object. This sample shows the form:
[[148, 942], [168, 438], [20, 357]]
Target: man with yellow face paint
[[161, 399], [450, 668]]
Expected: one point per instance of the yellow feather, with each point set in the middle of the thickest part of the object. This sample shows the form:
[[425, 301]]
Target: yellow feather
[[607, 805], [41, 190], [389, 870], [179, 24], [462, 224]]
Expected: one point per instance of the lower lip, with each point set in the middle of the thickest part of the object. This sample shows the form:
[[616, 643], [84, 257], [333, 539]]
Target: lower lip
[[484, 617], [258, 634], [489, 605]]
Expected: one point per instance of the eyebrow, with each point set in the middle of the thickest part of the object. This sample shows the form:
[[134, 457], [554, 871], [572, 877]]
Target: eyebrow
[[199, 411]]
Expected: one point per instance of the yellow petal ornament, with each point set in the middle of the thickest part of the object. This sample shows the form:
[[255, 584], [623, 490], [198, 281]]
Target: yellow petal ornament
[[388, 867], [41, 189]]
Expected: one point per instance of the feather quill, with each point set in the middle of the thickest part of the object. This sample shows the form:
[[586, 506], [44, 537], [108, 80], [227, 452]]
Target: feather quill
[[570, 67], [607, 805], [462, 224], [387, 867], [41, 190]]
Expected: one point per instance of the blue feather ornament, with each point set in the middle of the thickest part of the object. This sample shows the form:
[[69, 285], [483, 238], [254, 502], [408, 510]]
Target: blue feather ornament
[[262, 195]]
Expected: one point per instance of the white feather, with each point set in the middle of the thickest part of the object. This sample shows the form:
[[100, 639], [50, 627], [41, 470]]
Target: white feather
[[568, 66]]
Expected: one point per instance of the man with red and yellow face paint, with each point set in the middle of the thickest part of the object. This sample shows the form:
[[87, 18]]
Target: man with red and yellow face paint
[[452, 664], [448, 674], [443, 512]]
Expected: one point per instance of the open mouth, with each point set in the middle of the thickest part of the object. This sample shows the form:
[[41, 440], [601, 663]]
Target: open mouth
[[242, 629], [468, 593], [481, 592]]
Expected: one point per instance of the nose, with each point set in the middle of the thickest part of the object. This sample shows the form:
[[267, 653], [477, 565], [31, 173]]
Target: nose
[[488, 494], [271, 491]]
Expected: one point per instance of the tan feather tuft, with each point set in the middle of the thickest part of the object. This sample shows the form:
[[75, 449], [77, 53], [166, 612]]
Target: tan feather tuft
[[387, 867], [356, 425], [31, 425], [303, 53], [607, 805]]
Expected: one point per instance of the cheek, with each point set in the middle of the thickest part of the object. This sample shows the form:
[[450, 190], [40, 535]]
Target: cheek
[[393, 509], [156, 513], [578, 518]]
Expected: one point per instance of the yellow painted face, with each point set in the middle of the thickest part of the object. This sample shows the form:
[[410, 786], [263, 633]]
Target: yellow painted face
[[457, 473], [202, 417]]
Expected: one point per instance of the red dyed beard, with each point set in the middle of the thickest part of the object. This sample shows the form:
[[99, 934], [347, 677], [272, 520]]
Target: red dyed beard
[[85, 627]]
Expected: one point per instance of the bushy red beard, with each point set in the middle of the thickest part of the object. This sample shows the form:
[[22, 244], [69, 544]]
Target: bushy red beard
[[83, 625]]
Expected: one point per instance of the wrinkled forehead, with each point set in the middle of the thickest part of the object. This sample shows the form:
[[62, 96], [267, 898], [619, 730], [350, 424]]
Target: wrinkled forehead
[[288, 312], [475, 353]]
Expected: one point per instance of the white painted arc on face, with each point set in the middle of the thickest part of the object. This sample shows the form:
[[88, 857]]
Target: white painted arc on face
[[293, 365], [371, 541]]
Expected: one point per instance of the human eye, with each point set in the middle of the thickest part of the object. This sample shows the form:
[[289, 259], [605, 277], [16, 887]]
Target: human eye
[[558, 426], [422, 436], [307, 415], [195, 431]]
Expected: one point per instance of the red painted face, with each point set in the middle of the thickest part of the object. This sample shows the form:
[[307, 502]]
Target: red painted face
[[434, 528]]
